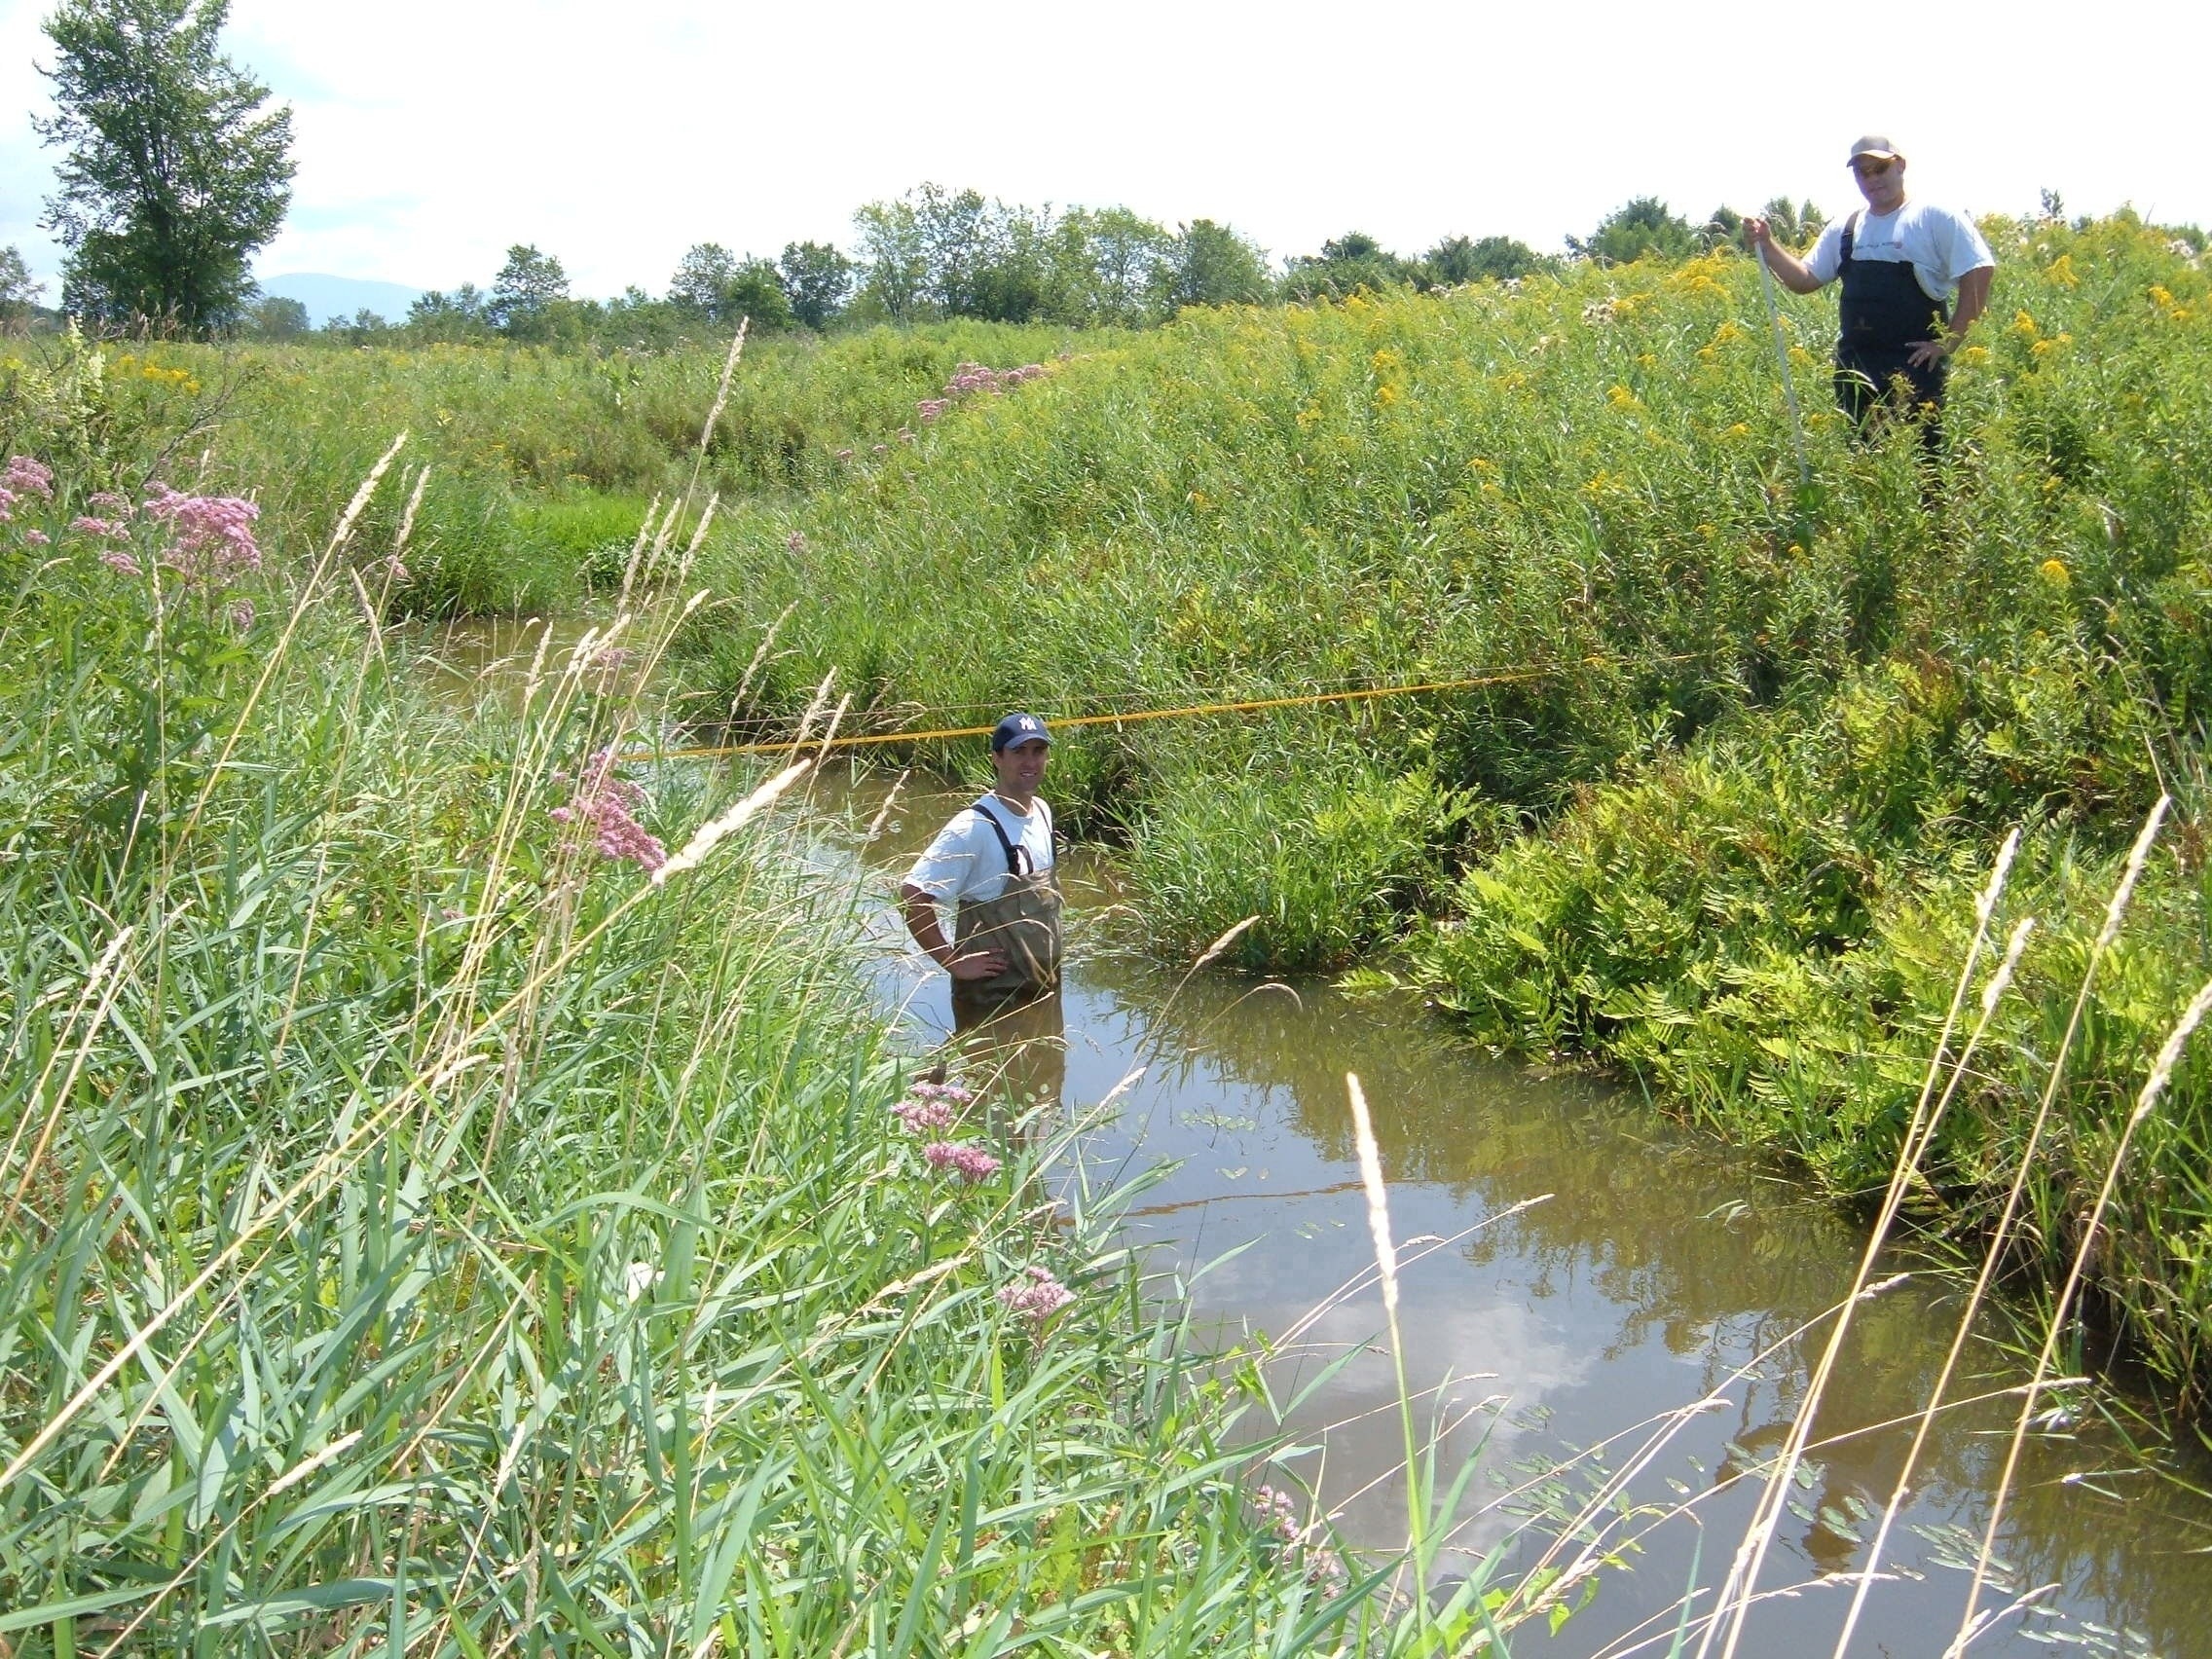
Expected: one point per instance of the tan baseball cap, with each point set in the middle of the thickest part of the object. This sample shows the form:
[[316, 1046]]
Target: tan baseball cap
[[1872, 144]]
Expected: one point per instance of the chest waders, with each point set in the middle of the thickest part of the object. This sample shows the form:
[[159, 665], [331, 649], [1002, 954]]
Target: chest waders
[[1885, 314], [1023, 924]]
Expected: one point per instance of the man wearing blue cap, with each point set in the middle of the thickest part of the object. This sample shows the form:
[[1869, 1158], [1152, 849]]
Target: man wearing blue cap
[[993, 864], [1901, 263]]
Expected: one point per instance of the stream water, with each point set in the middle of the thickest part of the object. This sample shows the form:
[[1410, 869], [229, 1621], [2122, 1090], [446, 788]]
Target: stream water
[[1577, 1271]]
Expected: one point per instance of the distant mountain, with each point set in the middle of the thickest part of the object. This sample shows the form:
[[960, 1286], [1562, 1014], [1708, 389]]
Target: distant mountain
[[327, 297]]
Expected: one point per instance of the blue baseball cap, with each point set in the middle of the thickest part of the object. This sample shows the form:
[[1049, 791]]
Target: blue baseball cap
[[1019, 728]]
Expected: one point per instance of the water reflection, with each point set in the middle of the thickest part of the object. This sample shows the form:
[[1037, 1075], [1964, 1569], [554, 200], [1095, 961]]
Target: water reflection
[[1013, 1053], [1578, 1268]]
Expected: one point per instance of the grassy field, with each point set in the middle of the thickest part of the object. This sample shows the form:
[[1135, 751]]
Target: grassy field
[[1744, 751]]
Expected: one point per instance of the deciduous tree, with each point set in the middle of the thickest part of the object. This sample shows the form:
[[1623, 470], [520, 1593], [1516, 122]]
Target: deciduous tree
[[895, 258], [1105, 267], [438, 315], [1344, 266], [18, 292], [1210, 265], [172, 174], [275, 318], [1642, 229], [525, 292], [817, 279], [1458, 259], [714, 284]]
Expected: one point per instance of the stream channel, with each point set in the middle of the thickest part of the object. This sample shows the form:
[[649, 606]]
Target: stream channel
[[1578, 1267]]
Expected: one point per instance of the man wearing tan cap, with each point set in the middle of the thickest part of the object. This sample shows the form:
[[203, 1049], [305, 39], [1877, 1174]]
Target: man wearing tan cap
[[1903, 264]]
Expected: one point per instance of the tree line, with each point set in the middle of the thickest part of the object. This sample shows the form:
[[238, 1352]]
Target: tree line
[[935, 253]]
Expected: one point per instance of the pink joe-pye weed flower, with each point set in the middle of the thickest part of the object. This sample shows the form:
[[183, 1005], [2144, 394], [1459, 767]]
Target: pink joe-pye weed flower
[[214, 535], [1278, 1513], [605, 804], [36, 538], [1037, 1294], [923, 1116], [964, 1158], [118, 559], [89, 525], [951, 1091], [8, 498], [27, 477]]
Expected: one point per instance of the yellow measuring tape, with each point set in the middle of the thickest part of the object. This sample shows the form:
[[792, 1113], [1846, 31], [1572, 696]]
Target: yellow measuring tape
[[1131, 717]]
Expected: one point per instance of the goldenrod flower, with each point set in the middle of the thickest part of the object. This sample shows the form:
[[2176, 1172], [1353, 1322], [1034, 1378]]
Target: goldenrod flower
[[2055, 573]]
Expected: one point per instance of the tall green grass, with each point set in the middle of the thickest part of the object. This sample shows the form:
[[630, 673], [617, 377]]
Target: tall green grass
[[540, 460], [424, 1233]]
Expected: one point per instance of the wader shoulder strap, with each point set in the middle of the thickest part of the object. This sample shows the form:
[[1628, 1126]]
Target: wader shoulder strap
[[1017, 858], [1850, 230]]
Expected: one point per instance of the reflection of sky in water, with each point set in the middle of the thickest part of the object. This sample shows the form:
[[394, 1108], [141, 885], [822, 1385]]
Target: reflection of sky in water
[[1652, 1268]]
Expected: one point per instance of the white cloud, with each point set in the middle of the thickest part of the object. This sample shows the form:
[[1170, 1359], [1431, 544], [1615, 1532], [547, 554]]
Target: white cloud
[[433, 134]]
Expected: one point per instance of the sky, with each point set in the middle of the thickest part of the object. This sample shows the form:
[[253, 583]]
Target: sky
[[430, 134]]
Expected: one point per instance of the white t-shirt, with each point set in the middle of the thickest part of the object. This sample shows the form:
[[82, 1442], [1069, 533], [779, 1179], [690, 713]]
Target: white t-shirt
[[1941, 245], [966, 861]]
